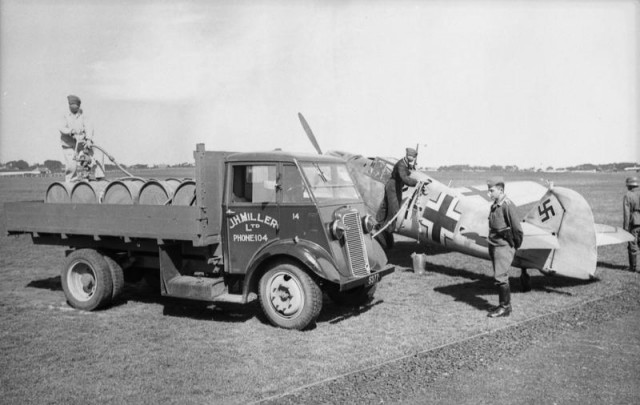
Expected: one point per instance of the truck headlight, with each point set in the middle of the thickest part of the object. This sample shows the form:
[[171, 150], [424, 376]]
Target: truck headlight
[[337, 229], [368, 223]]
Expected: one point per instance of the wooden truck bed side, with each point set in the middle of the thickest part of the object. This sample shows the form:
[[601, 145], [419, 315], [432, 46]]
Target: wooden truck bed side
[[134, 221], [209, 191], [199, 224]]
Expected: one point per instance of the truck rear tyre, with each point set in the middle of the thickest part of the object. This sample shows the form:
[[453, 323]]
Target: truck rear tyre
[[289, 297], [351, 298], [86, 280], [117, 276]]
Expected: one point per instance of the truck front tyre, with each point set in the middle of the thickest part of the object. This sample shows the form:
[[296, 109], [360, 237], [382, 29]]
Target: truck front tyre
[[351, 298], [86, 280], [289, 297]]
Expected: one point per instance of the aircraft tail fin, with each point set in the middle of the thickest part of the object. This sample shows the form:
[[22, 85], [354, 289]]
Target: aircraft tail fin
[[567, 215]]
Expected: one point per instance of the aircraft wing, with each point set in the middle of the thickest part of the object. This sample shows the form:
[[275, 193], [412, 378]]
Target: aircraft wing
[[520, 192], [611, 235]]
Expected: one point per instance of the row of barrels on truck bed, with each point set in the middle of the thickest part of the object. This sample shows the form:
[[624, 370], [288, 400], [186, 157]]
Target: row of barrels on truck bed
[[124, 191]]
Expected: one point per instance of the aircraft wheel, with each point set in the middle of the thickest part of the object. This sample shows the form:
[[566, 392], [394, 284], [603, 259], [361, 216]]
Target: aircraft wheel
[[289, 297], [352, 298], [86, 280]]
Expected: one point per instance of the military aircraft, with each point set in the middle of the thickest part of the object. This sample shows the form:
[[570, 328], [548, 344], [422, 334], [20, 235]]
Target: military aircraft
[[560, 234]]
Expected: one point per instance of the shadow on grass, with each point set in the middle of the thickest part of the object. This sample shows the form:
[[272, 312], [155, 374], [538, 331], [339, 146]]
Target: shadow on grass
[[612, 266], [51, 283], [230, 313], [472, 292], [333, 313]]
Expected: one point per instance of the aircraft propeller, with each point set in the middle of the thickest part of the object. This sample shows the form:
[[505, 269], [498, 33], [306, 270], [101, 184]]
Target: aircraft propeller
[[310, 135]]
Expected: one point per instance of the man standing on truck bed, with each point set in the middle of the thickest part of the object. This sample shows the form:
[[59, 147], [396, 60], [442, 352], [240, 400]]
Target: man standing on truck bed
[[76, 131]]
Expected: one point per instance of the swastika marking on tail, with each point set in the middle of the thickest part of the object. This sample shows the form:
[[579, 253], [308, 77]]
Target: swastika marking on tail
[[547, 212]]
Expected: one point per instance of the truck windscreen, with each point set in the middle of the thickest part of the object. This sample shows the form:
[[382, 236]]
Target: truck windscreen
[[330, 181]]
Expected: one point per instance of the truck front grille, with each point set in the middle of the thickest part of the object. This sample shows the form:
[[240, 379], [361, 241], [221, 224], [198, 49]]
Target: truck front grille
[[356, 250]]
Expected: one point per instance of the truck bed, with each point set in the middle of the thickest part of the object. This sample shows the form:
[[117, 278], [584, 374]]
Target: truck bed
[[180, 223]]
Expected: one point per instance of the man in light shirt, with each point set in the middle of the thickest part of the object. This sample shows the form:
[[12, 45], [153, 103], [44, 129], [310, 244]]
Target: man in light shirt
[[75, 132]]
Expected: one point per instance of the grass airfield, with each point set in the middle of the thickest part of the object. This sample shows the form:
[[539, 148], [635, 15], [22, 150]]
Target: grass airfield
[[151, 349]]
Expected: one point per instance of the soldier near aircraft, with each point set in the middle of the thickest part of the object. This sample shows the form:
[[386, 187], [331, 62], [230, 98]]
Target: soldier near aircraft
[[400, 177], [631, 220], [505, 237], [560, 236]]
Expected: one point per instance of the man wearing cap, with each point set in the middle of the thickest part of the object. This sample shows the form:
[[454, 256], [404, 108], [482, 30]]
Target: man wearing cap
[[75, 128], [400, 177], [631, 220], [505, 237]]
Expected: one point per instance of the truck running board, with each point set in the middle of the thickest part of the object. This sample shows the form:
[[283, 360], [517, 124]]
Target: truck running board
[[196, 288]]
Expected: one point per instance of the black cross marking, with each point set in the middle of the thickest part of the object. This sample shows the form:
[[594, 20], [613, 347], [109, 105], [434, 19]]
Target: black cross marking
[[440, 219], [476, 191], [547, 209]]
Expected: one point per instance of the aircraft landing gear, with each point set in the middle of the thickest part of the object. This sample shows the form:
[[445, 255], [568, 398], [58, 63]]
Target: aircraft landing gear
[[525, 280]]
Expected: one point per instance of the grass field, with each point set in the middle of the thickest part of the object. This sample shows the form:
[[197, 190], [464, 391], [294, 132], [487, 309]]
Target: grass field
[[150, 349]]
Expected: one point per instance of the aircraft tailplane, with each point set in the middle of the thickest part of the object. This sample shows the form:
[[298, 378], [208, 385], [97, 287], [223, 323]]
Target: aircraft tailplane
[[566, 214]]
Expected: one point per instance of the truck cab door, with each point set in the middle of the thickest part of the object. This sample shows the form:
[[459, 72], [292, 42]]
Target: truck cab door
[[298, 213], [251, 214]]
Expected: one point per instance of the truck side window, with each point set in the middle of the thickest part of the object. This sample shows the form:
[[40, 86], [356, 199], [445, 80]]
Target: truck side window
[[293, 188], [254, 183]]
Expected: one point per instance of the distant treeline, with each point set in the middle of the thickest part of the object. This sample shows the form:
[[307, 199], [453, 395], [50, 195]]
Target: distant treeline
[[609, 167], [55, 166]]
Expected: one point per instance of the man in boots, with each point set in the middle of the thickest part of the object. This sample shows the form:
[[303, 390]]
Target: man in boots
[[631, 220], [400, 177], [505, 237]]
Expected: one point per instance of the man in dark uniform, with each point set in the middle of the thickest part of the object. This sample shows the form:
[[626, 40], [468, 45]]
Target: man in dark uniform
[[631, 220], [505, 237], [400, 177]]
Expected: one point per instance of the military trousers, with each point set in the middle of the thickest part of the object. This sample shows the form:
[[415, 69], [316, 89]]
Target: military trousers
[[70, 165], [501, 259], [390, 204], [634, 246]]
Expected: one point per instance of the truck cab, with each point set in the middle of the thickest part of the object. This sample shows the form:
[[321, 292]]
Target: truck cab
[[294, 223], [280, 227]]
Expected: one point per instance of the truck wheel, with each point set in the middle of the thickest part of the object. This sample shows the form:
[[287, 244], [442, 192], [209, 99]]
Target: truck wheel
[[351, 298], [289, 297], [86, 280], [117, 276]]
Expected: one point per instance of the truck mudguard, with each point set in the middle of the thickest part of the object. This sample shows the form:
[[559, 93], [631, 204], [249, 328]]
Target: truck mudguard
[[310, 254]]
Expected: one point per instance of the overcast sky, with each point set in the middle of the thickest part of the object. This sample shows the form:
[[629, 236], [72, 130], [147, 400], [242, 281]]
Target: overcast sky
[[531, 83]]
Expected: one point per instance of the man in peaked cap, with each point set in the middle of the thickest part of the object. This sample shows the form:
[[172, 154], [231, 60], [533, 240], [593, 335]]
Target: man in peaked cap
[[505, 237], [631, 220], [400, 177], [75, 129]]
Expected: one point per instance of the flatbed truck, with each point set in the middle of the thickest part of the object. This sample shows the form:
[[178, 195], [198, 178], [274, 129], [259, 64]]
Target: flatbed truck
[[277, 226]]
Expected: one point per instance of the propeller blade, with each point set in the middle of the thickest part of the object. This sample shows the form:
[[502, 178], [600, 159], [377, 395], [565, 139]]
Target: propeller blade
[[310, 135]]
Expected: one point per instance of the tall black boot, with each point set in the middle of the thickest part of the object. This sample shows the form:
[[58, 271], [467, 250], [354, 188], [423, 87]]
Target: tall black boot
[[525, 281], [633, 262], [504, 293]]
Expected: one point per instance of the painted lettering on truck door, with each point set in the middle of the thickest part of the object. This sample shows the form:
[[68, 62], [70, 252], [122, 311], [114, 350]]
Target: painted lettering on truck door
[[252, 218]]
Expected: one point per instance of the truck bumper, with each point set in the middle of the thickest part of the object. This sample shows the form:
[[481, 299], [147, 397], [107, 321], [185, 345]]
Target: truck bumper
[[369, 280]]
